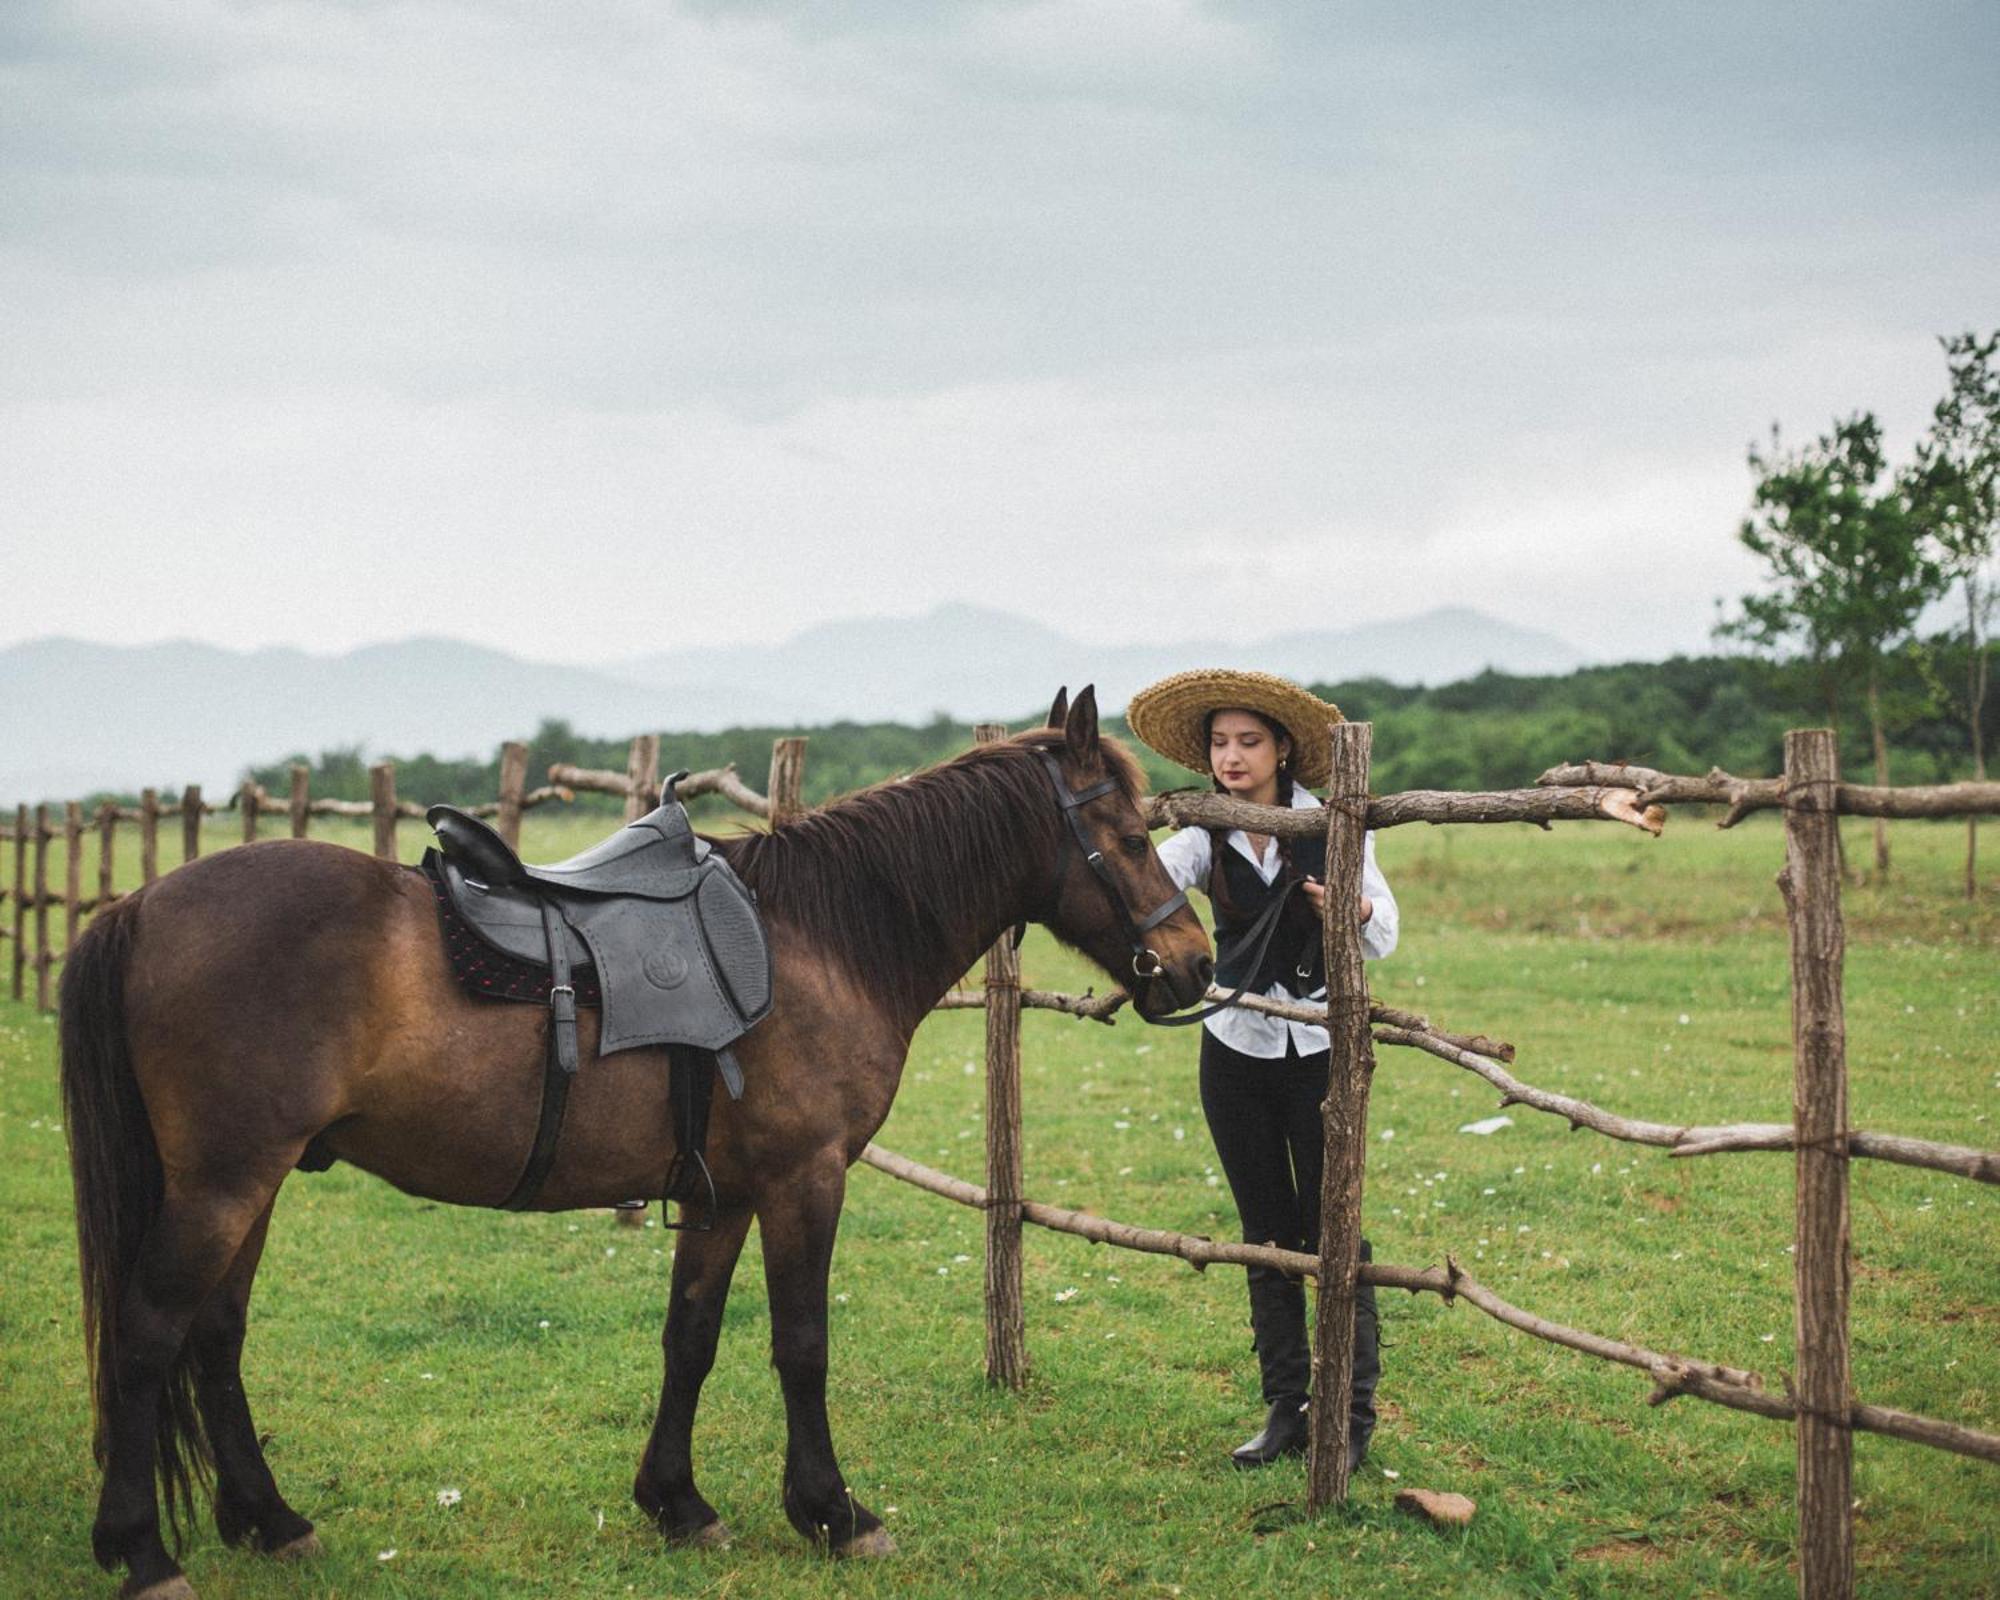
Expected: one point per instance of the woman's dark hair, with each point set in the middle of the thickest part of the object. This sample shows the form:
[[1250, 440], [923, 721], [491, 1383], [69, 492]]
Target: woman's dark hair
[[1218, 892]]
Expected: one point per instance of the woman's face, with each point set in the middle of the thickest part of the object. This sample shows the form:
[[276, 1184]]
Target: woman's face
[[1244, 754]]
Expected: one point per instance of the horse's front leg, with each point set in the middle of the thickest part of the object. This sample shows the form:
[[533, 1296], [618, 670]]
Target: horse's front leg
[[664, 1488], [797, 1221]]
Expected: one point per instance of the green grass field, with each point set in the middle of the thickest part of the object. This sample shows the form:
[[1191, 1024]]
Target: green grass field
[[399, 1350]]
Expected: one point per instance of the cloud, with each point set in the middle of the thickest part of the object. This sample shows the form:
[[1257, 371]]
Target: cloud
[[870, 303]]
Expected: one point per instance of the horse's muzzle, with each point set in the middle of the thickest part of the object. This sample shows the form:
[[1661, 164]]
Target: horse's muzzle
[[1173, 986]]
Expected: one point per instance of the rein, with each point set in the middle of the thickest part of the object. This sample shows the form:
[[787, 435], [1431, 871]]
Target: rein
[[1146, 962]]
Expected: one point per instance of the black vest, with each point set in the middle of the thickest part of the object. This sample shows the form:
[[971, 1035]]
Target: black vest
[[1298, 940]]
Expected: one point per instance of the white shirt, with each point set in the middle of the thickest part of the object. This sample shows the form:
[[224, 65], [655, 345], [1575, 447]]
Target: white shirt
[[1187, 857]]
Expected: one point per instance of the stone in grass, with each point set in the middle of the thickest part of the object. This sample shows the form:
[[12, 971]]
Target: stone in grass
[[1442, 1510]]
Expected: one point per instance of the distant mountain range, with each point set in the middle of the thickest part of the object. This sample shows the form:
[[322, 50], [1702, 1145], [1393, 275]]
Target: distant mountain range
[[77, 717]]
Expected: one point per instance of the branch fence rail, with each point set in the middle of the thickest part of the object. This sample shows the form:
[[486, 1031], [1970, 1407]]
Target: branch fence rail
[[1818, 1398]]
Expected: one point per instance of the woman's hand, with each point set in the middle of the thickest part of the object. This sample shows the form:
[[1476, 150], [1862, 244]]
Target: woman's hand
[[1316, 893]]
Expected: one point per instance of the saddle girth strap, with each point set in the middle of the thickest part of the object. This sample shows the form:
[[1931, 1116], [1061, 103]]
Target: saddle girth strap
[[559, 1067], [691, 1090]]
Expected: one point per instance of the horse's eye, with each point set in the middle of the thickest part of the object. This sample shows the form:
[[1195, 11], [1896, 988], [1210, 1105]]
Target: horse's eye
[[1136, 844]]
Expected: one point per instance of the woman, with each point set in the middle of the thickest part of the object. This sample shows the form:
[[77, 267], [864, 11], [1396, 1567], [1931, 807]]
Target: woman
[[1264, 739]]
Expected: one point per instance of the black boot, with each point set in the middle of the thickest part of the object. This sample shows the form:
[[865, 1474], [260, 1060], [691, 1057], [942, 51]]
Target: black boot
[[1286, 1433], [1367, 1370], [1284, 1359]]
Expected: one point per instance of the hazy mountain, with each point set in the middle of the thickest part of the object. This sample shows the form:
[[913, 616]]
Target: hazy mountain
[[76, 716], [974, 663]]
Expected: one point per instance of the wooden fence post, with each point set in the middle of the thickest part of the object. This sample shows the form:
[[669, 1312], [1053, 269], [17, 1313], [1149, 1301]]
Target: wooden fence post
[[642, 776], [787, 785], [41, 908], [149, 835], [301, 801], [1811, 887], [190, 822], [382, 788], [246, 802], [72, 873], [1006, 1319], [1345, 1114], [513, 784], [107, 831], [20, 900]]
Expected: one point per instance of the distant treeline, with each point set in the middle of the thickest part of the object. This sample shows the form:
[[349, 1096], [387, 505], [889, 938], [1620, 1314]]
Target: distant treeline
[[1495, 731]]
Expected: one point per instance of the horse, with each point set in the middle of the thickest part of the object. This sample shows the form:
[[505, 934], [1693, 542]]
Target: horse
[[218, 1021]]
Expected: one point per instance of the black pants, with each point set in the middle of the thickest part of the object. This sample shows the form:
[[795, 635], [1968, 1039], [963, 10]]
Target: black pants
[[1263, 1115]]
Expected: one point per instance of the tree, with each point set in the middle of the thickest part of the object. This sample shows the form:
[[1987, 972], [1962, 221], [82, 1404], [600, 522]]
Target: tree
[[1956, 491], [1849, 567]]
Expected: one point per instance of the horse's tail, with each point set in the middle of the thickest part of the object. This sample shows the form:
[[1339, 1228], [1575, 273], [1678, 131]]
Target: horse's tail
[[115, 1169]]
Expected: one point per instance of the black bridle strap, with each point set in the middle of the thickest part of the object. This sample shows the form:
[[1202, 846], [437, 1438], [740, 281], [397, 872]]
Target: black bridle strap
[[1072, 803], [1259, 933]]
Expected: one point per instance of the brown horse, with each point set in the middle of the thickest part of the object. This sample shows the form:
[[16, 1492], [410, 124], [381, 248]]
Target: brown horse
[[219, 1020]]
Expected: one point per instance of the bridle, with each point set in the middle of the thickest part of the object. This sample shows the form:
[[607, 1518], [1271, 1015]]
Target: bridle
[[1146, 962]]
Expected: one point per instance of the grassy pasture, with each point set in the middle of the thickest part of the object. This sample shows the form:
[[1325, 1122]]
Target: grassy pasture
[[398, 1351]]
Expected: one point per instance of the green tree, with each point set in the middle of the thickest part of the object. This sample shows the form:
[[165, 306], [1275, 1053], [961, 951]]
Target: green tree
[[1848, 565], [1956, 490]]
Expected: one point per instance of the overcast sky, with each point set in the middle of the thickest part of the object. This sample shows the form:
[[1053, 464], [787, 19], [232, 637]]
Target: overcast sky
[[583, 329]]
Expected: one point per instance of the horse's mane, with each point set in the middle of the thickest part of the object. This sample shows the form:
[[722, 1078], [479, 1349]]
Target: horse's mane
[[890, 880]]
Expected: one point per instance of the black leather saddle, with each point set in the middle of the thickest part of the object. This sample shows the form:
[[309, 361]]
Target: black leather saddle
[[672, 934]]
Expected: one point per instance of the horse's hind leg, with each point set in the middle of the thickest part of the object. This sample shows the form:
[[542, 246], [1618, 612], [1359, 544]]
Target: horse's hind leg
[[247, 1502], [151, 1424], [664, 1488], [797, 1222]]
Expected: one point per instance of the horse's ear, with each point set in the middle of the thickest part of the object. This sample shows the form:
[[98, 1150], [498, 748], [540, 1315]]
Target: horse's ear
[[1059, 707], [1080, 727]]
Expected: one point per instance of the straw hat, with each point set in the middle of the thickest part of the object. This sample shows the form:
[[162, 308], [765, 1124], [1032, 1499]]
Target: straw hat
[[1172, 717]]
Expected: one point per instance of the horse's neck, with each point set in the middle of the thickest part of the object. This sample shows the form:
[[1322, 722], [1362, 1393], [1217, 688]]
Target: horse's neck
[[984, 921]]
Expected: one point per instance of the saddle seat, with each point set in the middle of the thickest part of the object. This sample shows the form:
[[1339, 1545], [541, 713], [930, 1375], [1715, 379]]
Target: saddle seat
[[673, 934]]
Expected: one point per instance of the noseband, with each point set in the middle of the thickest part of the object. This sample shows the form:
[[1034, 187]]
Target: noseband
[[1146, 962]]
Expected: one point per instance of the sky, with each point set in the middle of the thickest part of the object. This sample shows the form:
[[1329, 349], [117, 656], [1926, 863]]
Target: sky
[[594, 329]]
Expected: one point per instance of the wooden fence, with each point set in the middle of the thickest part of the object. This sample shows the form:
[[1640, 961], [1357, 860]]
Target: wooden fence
[[1820, 1402]]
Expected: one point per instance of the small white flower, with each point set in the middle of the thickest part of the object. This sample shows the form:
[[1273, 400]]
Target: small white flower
[[944, 1272], [961, 1258], [610, 1250], [1388, 1133], [1121, 1124], [840, 1299], [385, 1555], [449, 1497], [428, 1377], [1683, 1019], [1063, 1296], [1180, 1133], [1391, 1472], [543, 1323], [1766, 1338]]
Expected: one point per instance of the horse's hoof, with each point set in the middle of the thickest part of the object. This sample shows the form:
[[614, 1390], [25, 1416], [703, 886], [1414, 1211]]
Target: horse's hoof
[[304, 1548], [709, 1536], [175, 1588], [875, 1542]]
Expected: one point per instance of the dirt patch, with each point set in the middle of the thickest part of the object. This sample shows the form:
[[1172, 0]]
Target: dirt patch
[[1665, 1204], [1623, 1551]]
